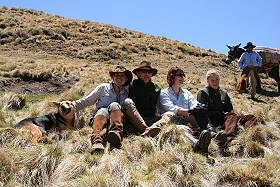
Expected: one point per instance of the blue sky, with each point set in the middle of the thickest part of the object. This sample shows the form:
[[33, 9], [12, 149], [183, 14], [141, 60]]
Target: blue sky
[[209, 24]]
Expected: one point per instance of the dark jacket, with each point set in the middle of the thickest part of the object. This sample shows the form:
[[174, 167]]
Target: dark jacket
[[145, 97], [218, 103]]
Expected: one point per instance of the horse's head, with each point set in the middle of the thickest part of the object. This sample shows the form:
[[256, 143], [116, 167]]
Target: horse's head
[[233, 53]]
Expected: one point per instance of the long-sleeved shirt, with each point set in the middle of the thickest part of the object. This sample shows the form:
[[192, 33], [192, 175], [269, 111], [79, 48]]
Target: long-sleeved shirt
[[145, 96], [103, 95], [169, 101], [218, 103], [250, 59]]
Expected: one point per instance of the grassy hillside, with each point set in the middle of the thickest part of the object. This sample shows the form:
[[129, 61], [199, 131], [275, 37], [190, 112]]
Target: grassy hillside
[[38, 50]]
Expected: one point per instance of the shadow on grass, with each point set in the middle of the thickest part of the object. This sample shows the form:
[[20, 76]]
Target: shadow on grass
[[269, 93]]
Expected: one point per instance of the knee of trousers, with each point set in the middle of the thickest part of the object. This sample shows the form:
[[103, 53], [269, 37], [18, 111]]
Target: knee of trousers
[[103, 112], [114, 106], [128, 103]]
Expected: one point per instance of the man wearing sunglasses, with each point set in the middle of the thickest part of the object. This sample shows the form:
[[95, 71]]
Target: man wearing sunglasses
[[141, 104]]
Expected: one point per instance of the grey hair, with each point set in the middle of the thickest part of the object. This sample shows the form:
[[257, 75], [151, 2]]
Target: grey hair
[[212, 72]]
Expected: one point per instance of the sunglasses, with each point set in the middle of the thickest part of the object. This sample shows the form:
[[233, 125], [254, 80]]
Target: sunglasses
[[180, 74], [146, 71]]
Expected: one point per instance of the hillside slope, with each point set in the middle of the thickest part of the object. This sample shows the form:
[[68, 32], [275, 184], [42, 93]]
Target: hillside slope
[[37, 48], [37, 31]]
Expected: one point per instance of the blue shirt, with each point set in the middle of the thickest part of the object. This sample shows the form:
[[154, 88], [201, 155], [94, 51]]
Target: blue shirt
[[169, 101], [103, 95], [250, 59]]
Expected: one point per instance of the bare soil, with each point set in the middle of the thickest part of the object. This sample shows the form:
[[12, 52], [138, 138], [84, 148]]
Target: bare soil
[[53, 85]]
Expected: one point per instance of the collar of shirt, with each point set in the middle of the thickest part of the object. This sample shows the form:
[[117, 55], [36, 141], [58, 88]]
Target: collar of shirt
[[181, 91], [123, 89]]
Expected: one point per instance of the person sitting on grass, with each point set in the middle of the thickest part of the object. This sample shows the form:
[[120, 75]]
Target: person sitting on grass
[[187, 110], [220, 109], [108, 116], [141, 106]]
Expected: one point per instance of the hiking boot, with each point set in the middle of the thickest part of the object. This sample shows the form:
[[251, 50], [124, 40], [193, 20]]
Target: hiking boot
[[97, 148], [151, 131], [114, 139], [221, 136], [203, 142]]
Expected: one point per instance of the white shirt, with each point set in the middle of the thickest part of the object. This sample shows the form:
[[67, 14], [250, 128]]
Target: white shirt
[[169, 101]]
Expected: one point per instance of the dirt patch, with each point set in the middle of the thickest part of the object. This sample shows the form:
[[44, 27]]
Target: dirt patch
[[54, 84]]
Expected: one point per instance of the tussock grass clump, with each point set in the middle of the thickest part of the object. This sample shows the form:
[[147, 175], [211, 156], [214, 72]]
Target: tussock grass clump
[[78, 141], [38, 165], [69, 168], [3, 121], [13, 101], [249, 149], [112, 170], [259, 173], [73, 94], [136, 147], [96, 179], [10, 137], [253, 141], [263, 134], [176, 168], [171, 136], [7, 167], [29, 75]]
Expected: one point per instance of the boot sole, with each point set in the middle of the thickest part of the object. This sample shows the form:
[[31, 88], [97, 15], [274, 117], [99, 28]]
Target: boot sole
[[152, 132], [221, 137], [204, 141], [97, 149], [114, 139]]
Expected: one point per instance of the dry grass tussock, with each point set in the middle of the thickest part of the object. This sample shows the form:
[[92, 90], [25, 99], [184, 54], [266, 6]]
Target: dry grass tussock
[[261, 172], [38, 46]]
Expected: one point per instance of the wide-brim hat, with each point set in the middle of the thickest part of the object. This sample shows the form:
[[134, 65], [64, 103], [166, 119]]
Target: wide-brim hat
[[121, 69], [145, 66], [249, 44]]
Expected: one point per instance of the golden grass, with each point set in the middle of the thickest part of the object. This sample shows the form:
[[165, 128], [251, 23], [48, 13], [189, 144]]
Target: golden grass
[[261, 172], [252, 142], [7, 167], [49, 45]]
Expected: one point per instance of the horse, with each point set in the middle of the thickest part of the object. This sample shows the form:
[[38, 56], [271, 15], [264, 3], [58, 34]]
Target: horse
[[270, 56]]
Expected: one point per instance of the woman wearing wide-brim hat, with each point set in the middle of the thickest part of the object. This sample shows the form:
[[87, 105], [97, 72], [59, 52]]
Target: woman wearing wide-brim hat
[[108, 116]]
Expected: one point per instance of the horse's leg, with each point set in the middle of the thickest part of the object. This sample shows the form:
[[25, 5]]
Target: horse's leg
[[274, 73]]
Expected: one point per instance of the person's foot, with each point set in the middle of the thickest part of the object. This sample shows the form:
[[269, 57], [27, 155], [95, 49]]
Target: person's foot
[[114, 139], [151, 131], [97, 148], [203, 142], [221, 137]]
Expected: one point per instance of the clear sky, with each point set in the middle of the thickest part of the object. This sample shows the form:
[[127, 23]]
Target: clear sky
[[209, 24]]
